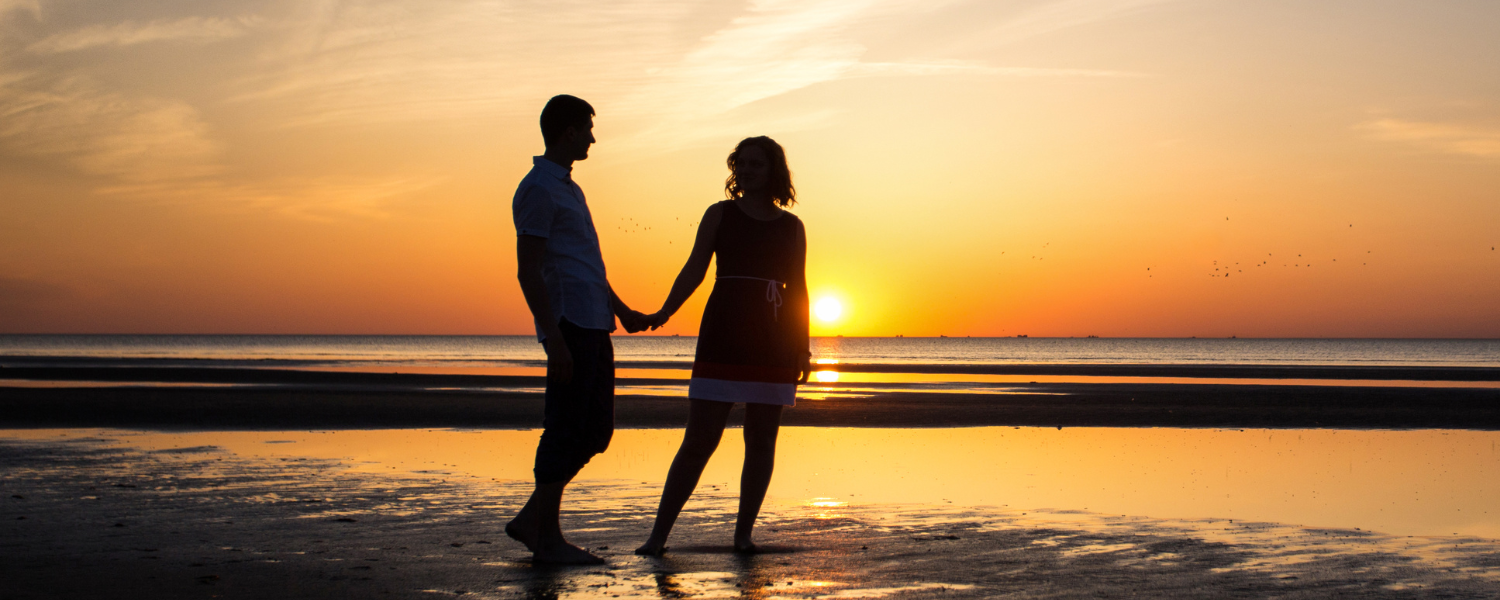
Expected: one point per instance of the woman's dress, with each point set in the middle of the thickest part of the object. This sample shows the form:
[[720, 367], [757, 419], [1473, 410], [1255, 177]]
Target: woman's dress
[[753, 340]]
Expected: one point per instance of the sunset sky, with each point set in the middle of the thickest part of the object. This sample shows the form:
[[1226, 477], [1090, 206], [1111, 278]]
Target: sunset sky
[[1050, 168]]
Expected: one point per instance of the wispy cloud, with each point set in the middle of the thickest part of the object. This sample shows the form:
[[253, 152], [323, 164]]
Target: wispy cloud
[[130, 33], [1057, 16], [388, 60], [1050, 17], [970, 68], [32, 6], [382, 60], [1437, 137], [325, 198], [102, 132], [675, 76], [777, 47]]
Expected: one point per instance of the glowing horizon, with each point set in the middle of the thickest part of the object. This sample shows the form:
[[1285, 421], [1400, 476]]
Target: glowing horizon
[[1059, 168]]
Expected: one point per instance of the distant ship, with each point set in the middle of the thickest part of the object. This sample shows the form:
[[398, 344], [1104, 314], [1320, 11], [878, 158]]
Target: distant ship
[[1022, 335]]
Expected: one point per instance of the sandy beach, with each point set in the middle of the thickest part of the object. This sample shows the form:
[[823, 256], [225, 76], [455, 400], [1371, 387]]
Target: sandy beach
[[176, 480], [103, 513], [1077, 396]]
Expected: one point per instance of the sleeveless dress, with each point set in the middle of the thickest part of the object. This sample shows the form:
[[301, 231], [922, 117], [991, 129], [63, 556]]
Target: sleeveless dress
[[755, 332]]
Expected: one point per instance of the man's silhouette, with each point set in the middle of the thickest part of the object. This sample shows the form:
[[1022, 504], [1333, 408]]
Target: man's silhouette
[[562, 276]]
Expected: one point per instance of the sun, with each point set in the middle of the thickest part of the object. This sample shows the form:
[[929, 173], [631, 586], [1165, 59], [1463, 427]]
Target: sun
[[828, 310]]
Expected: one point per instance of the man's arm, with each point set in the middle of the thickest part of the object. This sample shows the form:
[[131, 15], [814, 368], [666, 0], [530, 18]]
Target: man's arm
[[530, 252], [629, 319]]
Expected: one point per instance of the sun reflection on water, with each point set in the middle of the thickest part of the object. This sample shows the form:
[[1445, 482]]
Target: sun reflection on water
[[826, 508]]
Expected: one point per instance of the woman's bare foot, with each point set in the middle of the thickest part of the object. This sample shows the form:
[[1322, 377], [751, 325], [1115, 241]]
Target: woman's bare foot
[[745, 547], [651, 549], [563, 553]]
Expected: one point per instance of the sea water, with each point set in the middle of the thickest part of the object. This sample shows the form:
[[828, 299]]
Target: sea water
[[424, 350]]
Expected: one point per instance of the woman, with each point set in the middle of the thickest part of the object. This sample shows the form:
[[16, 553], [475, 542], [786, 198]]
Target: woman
[[752, 346]]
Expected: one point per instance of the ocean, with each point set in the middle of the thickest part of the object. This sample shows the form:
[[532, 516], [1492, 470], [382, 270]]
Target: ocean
[[354, 351]]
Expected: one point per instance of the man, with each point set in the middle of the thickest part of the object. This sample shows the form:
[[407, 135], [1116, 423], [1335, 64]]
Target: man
[[562, 276]]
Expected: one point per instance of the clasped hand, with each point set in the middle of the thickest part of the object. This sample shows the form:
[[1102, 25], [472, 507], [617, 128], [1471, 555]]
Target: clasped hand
[[636, 321]]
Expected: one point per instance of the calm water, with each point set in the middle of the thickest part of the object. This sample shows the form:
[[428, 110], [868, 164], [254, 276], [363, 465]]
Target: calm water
[[502, 350], [1427, 482]]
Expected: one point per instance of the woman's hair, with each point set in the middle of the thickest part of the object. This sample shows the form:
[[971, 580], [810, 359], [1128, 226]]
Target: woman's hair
[[779, 180]]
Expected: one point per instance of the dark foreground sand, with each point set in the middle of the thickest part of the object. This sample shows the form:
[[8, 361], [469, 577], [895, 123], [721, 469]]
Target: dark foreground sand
[[89, 519]]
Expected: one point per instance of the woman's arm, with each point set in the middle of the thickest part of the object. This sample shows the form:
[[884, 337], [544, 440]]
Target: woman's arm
[[801, 309], [697, 266]]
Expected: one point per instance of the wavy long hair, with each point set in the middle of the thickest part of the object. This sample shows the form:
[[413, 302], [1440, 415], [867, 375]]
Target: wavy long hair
[[779, 180]]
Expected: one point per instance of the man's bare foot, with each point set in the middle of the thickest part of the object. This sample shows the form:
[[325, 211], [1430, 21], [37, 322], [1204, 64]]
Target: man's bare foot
[[523, 531], [651, 549], [563, 553]]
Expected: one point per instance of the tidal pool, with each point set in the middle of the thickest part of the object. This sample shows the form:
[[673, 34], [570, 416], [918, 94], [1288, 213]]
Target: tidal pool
[[1422, 482]]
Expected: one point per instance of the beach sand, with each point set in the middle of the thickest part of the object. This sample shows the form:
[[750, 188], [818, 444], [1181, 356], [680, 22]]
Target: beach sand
[[104, 516], [1076, 497], [175, 394], [1047, 405]]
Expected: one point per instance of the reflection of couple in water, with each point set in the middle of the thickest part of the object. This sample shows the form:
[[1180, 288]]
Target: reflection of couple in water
[[752, 344]]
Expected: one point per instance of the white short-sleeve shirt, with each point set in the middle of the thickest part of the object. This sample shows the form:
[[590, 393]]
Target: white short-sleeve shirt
[[549, 205]]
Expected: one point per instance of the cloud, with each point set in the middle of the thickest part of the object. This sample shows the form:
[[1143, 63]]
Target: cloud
[[311, 198], [1067, 14], [130, 33], [379, 61], [1051, 17], [1437, 137], [969, 68], [102, 132], [669, 71], [777, 47], [32, 6], [652, 60]]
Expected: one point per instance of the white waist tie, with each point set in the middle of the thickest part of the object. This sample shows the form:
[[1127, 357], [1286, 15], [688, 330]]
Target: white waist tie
[[773, 292]]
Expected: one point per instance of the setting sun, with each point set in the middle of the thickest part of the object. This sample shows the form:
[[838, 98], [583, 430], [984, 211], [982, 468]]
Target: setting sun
[[828, 310]]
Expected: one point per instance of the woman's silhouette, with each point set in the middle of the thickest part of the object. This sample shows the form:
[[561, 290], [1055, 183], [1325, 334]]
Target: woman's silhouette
[[753, 345]]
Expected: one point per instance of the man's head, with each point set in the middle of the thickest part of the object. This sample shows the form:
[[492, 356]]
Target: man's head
[[568, 127]]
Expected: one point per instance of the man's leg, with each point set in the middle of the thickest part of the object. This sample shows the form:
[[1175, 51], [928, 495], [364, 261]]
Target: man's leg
[[578, 423], [542, 507]]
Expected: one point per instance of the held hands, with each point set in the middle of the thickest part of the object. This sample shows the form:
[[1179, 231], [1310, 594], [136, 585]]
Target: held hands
[[657, 319], [634, 321]]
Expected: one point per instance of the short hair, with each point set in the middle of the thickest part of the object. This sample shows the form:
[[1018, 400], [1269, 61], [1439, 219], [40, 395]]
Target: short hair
[[564, 111], [780, 177]]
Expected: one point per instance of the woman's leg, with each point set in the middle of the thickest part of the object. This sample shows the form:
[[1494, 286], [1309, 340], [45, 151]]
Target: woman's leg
[[762, 423], [705, 427]]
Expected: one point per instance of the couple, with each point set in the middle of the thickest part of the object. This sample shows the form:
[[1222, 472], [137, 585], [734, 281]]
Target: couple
[[752, 345]]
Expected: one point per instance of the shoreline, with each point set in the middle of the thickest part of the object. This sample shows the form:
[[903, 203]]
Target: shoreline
[[267, 370], [1043, 405], [121, 393]]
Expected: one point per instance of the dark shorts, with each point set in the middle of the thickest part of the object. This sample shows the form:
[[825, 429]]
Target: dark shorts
[[580, 415]]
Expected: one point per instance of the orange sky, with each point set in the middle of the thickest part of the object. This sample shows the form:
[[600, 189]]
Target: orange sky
[[965, 167]]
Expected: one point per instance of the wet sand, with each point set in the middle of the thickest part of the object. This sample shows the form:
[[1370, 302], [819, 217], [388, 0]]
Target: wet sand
[[92, 518], [329, 405]]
